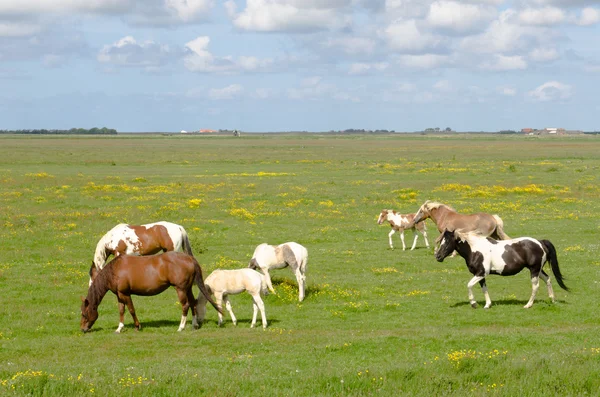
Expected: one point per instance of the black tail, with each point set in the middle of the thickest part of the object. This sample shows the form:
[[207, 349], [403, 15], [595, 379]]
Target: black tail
[[552, 258], [200, 283]]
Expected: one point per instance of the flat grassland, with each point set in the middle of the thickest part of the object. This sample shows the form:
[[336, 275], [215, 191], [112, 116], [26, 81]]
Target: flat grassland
[[375, 321]]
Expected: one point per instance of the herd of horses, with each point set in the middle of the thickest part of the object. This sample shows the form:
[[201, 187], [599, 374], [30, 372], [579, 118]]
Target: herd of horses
[[139, 268], [136, 270]]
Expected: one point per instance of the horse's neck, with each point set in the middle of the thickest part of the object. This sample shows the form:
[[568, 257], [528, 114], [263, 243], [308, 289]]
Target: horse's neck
[[100, 255], [100, 286], [439, 216]]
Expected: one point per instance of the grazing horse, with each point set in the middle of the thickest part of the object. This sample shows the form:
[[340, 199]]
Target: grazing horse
[[128, 275], [222, 283], [146, 239], [485, 256], [446, 218], [290, 254], [399, 223]]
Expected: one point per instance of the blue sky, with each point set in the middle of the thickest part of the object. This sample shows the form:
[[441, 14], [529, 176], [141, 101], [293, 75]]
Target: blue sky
[[314, 65]]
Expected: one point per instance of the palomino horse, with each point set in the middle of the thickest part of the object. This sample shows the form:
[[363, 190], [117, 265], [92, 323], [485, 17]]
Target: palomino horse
[[399, 223], [485, 256], [222, 283], [446, 218], [128, 275], [146, 239], [291, 254]]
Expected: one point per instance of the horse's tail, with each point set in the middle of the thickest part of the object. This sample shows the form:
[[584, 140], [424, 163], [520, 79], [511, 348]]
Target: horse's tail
[[500, 228], [200, 283], [553, 259], [187, 248]]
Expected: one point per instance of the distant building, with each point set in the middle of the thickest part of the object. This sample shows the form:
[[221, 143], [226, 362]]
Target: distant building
[[184, 132], [527, 130], [205, 130]]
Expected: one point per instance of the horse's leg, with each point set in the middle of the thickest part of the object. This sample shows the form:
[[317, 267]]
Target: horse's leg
[[300, 278], [546, 278], [219, 302], [535, 285], [488, 301], [402, 238], [425, 237], [268, 280], [258, 305], [470, 285], [415, 240], [185, 307], [121, 317], [129, 303], [390, 238], [230, 309], [194, 306]]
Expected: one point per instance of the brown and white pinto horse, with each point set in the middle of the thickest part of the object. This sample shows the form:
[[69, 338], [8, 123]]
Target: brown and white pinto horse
[[400, 222], [146, 239], [484, 256], [446, 218], [128, 275]]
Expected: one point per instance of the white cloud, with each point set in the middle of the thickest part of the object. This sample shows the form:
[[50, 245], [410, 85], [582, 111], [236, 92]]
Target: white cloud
[[503, 62], [459, 17], [200, 59], [313, 88], [551, 91], [230, 92], [543, 54], [352, 45], [21, 7], [507, 35], [408, 37], [18, 29], [366, 68], [589, 16], [507, 91], [128, 52], [425, 61], [443, 86], [290, 15], [542, 16]]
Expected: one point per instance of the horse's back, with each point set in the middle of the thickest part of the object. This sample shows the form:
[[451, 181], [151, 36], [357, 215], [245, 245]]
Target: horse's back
[[234, 281], [298, 249]]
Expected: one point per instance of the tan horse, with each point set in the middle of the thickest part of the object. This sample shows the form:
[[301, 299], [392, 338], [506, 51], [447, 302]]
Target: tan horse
[[128, 275], [446, 218]]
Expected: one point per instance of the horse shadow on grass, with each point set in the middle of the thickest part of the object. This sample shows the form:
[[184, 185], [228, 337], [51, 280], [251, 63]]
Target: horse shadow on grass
[[508, 302]]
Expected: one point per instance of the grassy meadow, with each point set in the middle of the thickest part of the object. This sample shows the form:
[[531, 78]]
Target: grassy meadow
[[375, 321]]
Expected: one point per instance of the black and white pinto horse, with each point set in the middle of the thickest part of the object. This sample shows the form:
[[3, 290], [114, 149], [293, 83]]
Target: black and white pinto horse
[[485, 256], [399, 223]]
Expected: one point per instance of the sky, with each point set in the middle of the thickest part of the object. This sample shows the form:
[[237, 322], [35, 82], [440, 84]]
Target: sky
[[299, 65]]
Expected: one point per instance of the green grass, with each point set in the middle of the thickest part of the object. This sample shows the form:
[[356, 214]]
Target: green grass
[[375, 321]]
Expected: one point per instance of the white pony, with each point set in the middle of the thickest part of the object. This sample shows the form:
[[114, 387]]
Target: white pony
[[146, 239], [222, 283], [291, 254], [400, 222]]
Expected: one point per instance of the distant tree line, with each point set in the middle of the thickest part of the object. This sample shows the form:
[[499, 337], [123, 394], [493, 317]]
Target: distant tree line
[[72, 131], [362, 131]]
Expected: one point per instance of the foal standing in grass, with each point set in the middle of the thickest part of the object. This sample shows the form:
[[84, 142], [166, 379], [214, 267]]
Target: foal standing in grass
[[222, 283], [290, 254], [399, 223]]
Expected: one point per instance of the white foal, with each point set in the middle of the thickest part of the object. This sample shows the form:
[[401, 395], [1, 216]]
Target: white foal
[[399, 223], [222, 283], [290, 254]]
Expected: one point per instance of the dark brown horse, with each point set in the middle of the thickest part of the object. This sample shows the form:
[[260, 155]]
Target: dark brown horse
[[446, 218], [128, 275]]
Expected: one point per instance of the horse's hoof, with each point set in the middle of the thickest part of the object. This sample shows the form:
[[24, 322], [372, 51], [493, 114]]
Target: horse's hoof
[[474, 305], [527, 306], [487, 307]]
